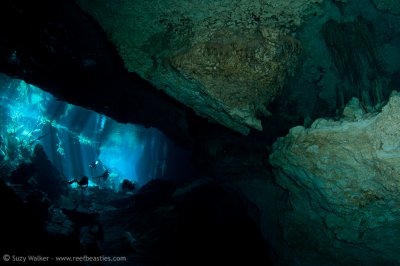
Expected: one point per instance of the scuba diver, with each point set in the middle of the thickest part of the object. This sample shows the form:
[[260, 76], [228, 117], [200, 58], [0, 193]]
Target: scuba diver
[[128, 186], [104, 176], [99, 171], [83, 183], [94, 164]]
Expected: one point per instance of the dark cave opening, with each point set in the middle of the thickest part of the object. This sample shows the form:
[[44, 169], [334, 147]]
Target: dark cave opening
[[152, 207], [80, 142], [166, 221]]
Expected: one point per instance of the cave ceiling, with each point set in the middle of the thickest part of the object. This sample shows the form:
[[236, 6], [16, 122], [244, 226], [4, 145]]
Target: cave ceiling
[[154, 63]]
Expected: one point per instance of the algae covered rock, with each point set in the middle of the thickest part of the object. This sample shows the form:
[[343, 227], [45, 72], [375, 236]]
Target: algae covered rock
[[344, 183], [224, 59]]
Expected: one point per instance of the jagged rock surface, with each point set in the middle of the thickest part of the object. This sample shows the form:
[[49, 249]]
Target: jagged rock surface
[[226, 60], [344, 181]]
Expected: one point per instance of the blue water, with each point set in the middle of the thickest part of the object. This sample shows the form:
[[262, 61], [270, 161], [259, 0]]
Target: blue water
[[80, 142]]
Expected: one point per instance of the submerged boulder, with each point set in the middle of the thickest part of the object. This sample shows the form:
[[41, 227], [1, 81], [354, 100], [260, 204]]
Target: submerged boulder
[[225, 60], [344, 183]]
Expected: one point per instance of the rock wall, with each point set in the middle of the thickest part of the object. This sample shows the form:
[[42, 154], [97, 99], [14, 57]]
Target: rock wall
[[343, 178], [225, 59]]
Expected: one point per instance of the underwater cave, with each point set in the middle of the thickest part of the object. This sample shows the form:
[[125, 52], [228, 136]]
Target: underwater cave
[[79, 142], [173, 133]]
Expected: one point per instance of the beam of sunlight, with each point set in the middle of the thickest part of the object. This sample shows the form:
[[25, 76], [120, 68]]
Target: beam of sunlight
[[77, 141]]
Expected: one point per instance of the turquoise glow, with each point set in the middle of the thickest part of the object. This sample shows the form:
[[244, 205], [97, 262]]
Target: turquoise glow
[[77, 141], [119, 147]]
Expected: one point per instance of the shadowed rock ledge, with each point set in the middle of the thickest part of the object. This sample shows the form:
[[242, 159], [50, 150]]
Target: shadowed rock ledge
[[225, 60]]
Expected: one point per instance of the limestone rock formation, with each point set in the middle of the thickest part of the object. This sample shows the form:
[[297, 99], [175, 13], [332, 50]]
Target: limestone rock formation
[[343, 178], [224, 59]]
